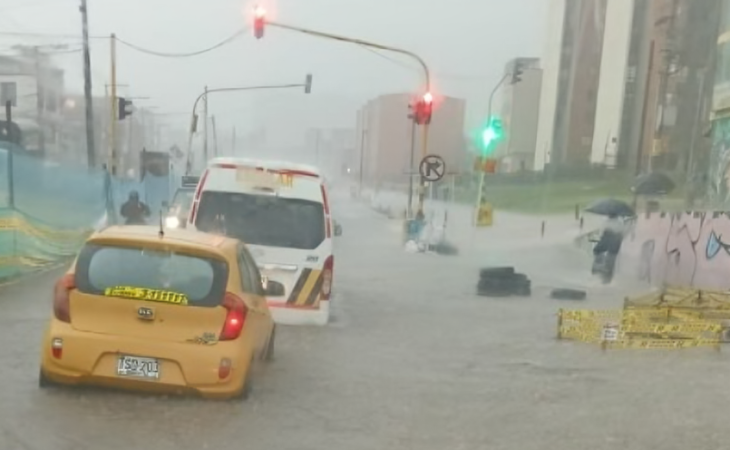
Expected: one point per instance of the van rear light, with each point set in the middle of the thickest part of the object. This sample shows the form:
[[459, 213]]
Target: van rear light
[[198, 192], [57, 348], [327, 272], [325, 200], [201, 183], [61, 298], [235, 317]]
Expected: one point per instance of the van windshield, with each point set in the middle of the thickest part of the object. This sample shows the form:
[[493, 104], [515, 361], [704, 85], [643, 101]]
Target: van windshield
[[266, 220]]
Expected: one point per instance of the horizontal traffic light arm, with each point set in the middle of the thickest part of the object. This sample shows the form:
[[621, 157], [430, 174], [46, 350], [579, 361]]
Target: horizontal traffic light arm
[[361, 42]]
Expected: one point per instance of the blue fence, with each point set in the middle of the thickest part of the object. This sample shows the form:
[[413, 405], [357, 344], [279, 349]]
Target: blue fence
[[48, 209]]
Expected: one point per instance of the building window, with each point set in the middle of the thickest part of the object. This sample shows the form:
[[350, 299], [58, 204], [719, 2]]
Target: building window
[[9, 93]]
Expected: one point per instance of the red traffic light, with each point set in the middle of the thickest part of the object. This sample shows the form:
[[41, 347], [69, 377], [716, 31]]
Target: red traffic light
[[426, 108], [259, 19]]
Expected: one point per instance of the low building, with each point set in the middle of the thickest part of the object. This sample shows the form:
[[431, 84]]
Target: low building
[[35, 89], [387, 139]]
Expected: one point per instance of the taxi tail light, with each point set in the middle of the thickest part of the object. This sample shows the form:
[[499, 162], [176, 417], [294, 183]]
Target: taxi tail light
[[235, 317], [61, 298], [327, 272], [57, 348]]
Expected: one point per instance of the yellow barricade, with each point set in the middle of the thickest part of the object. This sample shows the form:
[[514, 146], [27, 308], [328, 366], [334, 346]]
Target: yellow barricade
[[649, 327]]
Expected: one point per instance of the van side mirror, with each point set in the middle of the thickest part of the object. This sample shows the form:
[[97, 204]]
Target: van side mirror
[[274, 289], [166, 204]]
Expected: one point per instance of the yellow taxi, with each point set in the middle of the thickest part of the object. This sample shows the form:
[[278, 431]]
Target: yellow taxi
[[169, 311]]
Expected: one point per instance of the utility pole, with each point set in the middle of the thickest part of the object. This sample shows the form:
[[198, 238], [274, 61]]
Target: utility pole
[[411, 166], [90, 147], [362, 155], [233, 142], [316, 147], [645, 108], [40, 100], [205, 126], [215, 136], [669, 54], [112, 165]]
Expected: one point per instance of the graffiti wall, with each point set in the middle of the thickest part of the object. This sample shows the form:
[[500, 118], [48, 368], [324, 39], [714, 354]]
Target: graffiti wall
[[688, 249]]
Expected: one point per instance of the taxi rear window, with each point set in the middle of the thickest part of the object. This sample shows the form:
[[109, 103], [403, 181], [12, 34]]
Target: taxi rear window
[[159, 275]]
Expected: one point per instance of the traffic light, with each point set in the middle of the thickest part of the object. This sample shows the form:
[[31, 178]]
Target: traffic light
[[517, 72], [124, 108], [491, 134], [427, 108], [422, 110], [259, 20]]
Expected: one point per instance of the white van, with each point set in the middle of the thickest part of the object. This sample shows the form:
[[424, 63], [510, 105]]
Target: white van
[[281, 211]]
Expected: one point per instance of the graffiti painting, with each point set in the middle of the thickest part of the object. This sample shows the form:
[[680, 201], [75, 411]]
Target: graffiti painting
[[684, 249], [647, 254]]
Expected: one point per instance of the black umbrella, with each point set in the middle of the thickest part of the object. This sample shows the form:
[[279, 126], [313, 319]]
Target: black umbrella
[[655, 183], [611, 207]]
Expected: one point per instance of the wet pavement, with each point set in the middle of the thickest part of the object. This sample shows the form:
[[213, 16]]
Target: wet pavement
[[413, 360]]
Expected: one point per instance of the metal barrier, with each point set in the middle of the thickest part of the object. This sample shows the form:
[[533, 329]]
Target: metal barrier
[[670, 319]]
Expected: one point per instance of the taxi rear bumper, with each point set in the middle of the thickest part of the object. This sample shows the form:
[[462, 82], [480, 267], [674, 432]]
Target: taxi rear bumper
[[184, 368]]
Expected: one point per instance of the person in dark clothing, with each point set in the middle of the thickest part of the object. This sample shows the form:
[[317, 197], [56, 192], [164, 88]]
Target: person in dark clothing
[[134, 211], [607, 248]]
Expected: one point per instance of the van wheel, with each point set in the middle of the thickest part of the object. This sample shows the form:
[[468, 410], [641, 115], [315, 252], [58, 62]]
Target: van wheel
[[269, 353]]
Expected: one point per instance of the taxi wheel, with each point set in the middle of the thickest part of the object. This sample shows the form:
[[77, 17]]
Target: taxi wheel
[[43, 381], [247, 388], [269, 353]]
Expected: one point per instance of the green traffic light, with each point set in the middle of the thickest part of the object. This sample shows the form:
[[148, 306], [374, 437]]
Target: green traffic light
[[491, 134]]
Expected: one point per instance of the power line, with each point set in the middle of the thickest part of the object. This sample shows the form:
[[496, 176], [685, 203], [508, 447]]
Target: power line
[[46, 35], [226, 41]]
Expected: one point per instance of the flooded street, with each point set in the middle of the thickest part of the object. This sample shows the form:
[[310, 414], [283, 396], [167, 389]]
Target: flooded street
[[413, 360]]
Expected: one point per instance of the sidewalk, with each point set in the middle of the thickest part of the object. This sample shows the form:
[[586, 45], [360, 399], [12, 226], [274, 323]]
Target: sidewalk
[[461, 231]]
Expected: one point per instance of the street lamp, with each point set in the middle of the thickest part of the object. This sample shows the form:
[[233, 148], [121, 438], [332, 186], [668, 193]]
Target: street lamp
[[307, 85]]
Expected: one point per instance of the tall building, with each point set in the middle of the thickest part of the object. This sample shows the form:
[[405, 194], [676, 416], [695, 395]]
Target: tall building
[[627, 83], [519, 116], [386, 138], [571, 62], [718, 176], [682, 34], [622, 82]]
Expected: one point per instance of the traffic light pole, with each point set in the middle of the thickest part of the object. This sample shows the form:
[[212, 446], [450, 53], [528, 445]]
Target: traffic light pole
[[481, 195], [112, 163], [335, 37], [206, 92]]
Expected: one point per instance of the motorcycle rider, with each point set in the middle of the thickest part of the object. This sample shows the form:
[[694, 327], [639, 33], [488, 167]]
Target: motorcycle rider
[[607, 248], [134, 211]]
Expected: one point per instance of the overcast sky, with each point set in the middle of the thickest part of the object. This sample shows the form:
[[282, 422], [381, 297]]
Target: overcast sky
[[465, 42]]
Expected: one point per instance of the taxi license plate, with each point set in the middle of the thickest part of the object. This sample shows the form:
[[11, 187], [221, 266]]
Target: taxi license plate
[[135, 366]]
